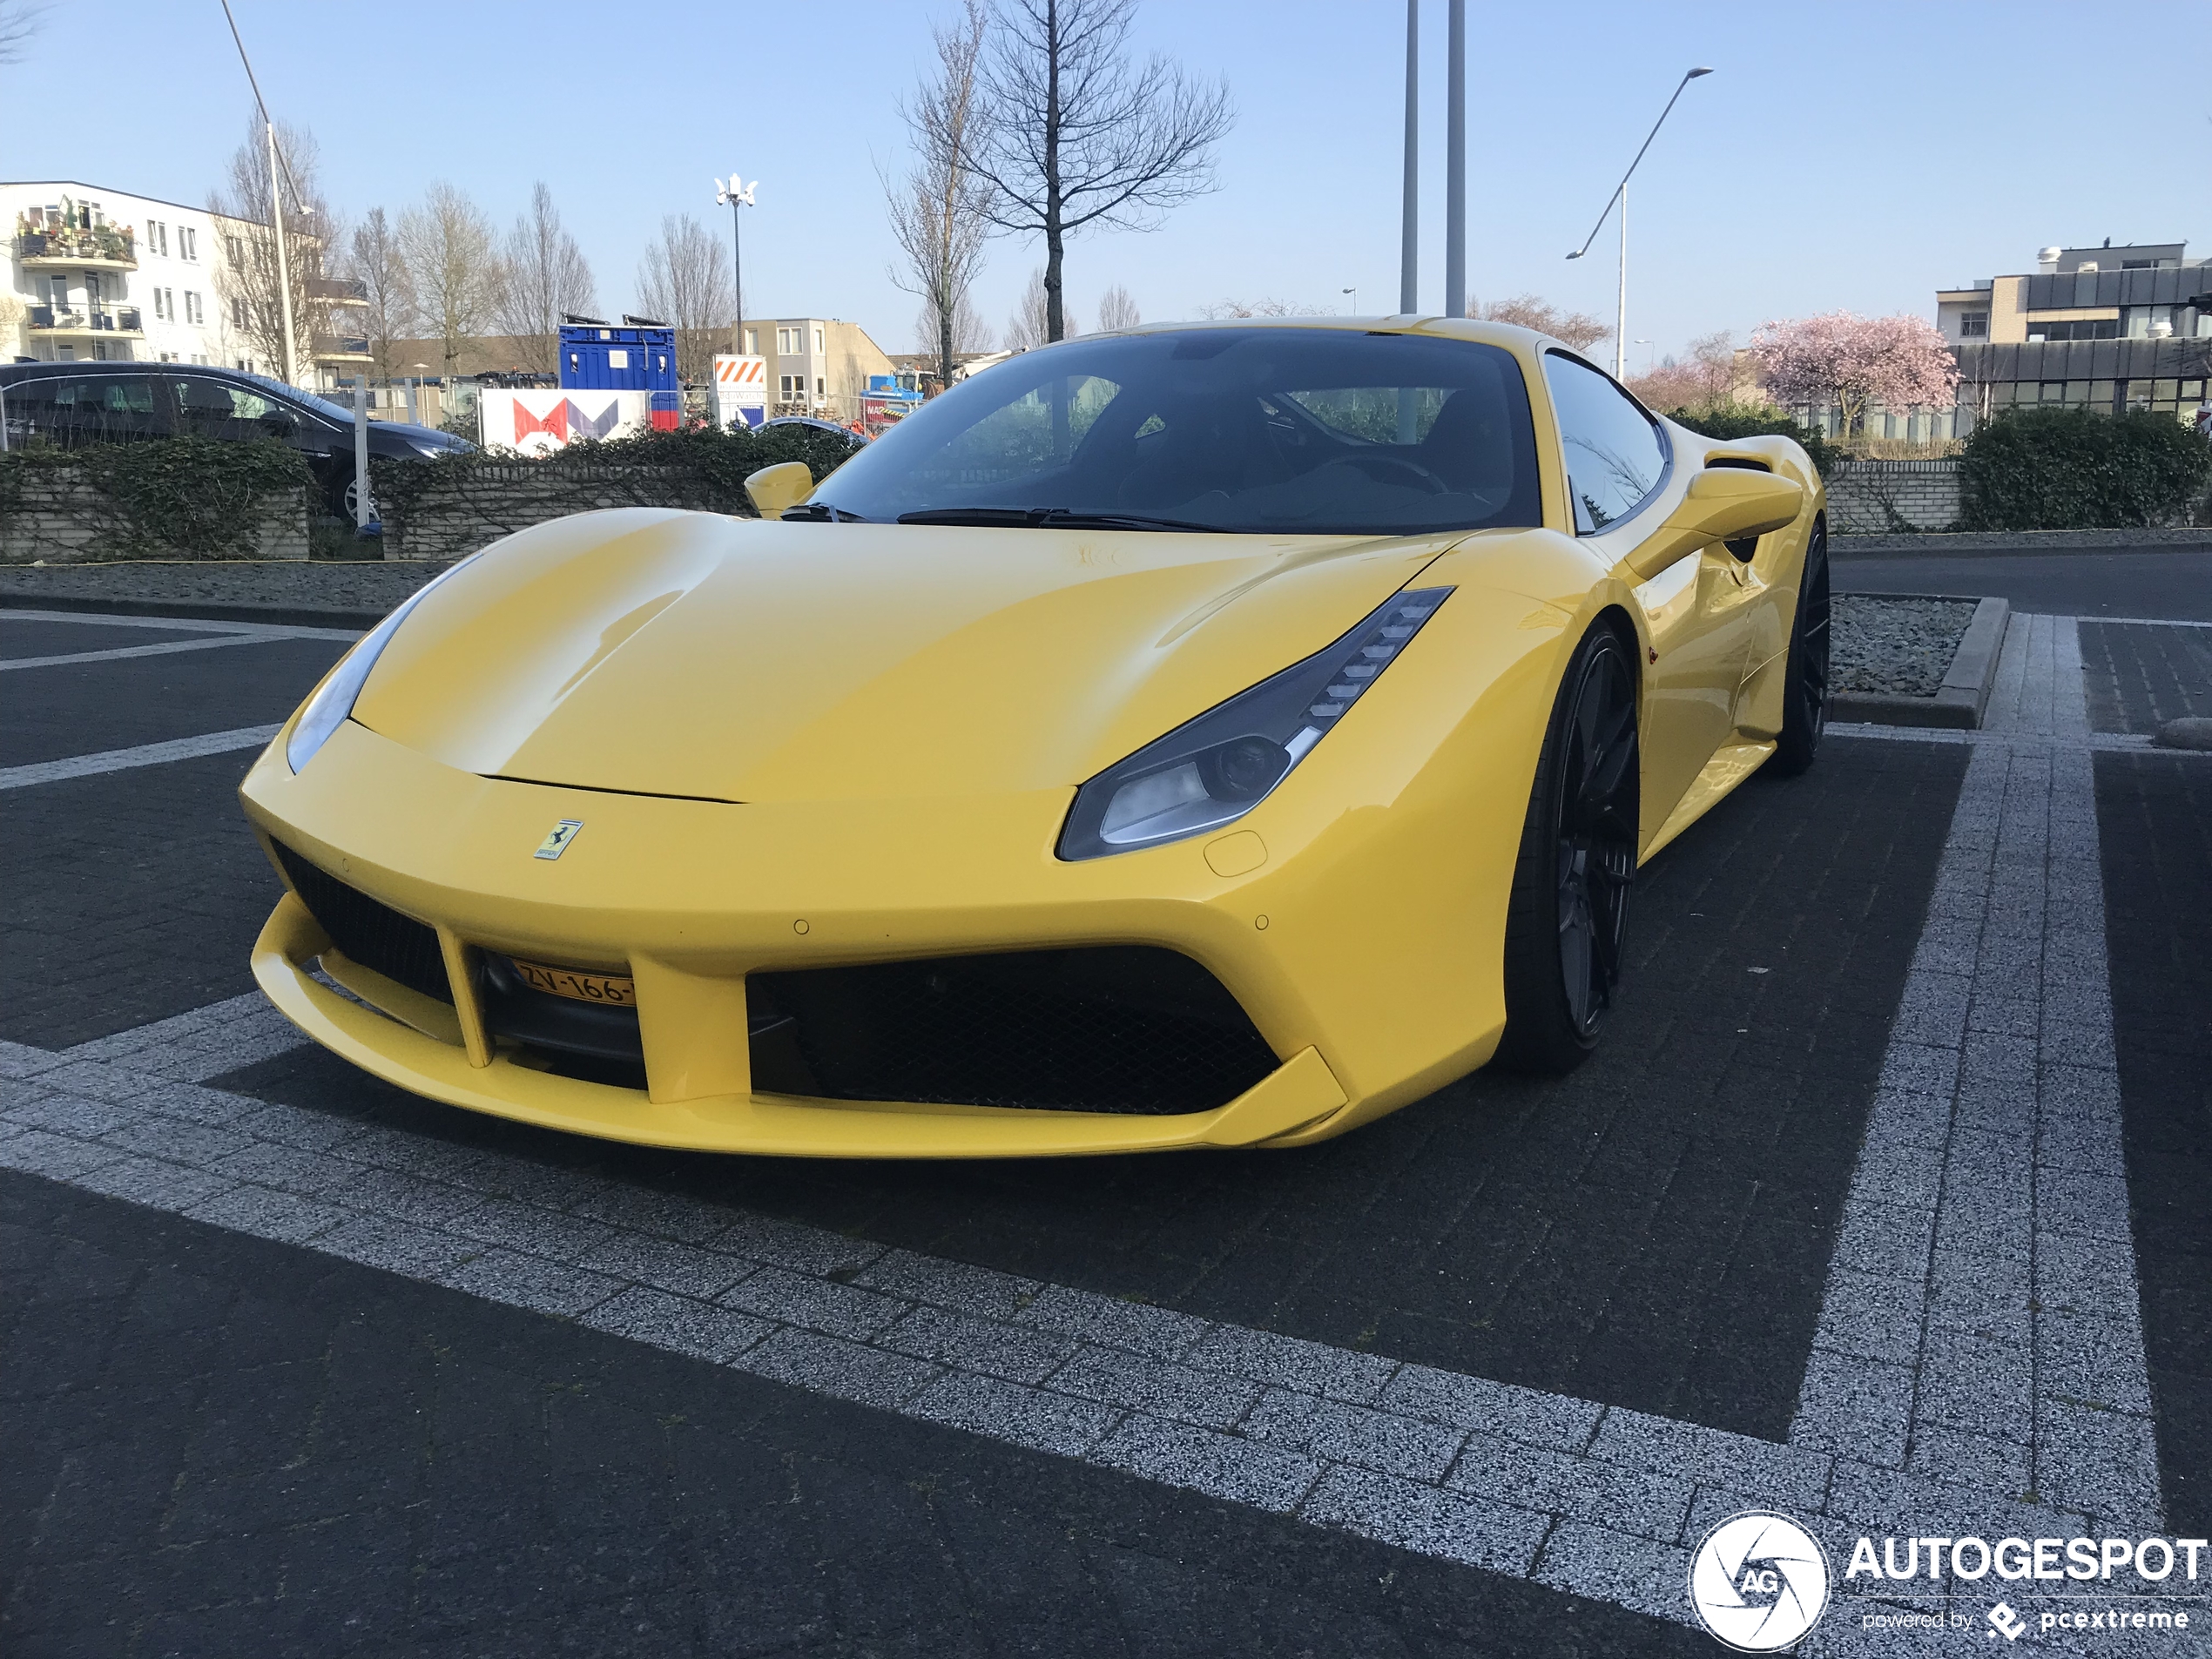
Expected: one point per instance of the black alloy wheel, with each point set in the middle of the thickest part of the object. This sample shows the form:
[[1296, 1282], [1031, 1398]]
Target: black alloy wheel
[[1568, 918], [1805, 708]]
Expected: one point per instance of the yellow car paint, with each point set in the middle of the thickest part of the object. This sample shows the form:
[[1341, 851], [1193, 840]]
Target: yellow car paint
[[814, 745]]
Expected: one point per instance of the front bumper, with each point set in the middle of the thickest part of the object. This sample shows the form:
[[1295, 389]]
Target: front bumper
[[1352, 955]]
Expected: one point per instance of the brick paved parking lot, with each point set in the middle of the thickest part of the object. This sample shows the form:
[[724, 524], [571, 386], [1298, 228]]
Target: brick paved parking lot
[[1882, 1207]]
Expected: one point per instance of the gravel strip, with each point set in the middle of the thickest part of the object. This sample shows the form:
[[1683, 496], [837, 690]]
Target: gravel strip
[[349, 585], [1895, 646]]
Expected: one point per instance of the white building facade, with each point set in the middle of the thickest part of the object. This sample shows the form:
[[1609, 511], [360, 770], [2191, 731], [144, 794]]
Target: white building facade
[[98, 275]]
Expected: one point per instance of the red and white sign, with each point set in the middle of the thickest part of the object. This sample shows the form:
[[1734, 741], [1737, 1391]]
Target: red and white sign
[[538, 422], [740, 390]]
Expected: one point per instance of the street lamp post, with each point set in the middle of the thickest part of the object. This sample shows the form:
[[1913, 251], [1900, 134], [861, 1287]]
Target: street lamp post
[[735, 193], [1354, 293], [1621, 196]]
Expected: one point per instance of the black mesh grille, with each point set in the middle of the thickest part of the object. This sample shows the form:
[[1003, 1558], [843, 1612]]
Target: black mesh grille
[[374, 934], [1127, 1029]]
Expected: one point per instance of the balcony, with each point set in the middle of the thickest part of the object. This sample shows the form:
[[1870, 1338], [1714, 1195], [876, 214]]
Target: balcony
[[338, 291], [341, 348], [61, 322], [105, 247]]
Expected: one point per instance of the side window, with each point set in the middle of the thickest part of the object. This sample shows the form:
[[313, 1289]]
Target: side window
[[1613, 452], [215, 410], [104, 408]]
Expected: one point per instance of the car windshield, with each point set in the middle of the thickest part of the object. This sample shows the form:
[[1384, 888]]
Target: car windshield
[[1308, 431]]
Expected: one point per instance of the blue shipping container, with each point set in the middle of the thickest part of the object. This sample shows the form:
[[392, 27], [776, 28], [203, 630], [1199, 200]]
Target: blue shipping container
[[618, 358]]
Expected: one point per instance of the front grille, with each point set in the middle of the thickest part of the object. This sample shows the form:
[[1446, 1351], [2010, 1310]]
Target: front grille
[[374, 934], [1131, 1029], [586, 1040]]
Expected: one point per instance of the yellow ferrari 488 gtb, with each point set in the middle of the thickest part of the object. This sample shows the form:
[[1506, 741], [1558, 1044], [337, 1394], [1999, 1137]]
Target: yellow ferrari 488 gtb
[[1192, 736]]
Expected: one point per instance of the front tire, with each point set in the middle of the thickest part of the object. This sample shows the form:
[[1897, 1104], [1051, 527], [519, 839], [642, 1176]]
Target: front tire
[[1804, 705], [1567, 917]]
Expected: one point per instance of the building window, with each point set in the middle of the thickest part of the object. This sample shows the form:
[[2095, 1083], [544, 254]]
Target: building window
[[818, 342], [787, 341], [752, 342], [238, 312], [156, 237], [237, 250], [246, 364], [1973, 325], [188, 242], [200, 358], [160, 305], [193, 314], [820, 386], [785, 383]]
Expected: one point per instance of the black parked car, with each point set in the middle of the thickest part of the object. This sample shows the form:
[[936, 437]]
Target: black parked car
[[73, 403]]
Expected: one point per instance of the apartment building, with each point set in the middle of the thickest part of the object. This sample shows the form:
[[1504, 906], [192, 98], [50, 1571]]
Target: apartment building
[[99, 275], [816, 365], [2105, 328]]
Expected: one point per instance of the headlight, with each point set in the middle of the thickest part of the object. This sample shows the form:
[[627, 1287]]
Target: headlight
[[333, 699], [1222, 764]]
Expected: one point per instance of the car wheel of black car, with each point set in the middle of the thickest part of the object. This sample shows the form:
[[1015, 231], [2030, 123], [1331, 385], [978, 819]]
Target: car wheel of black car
[[1805, 710], [1567, 917]]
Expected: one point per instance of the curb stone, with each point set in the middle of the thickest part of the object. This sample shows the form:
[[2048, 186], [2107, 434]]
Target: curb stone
[[1964, 692]]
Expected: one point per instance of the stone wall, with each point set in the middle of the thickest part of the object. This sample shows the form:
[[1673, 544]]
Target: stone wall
[[1882, 497], [56, 515], [458, 510]]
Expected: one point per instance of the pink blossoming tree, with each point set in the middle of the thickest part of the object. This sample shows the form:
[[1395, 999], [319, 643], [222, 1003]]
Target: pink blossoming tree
[[1899, 362]]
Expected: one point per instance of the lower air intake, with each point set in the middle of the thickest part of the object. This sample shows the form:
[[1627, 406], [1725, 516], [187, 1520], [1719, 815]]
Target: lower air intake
[[1127, 1029], [374, 934]]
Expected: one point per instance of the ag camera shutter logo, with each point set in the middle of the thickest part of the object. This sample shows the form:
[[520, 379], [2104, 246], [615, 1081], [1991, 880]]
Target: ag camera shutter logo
[[1759, 1582]]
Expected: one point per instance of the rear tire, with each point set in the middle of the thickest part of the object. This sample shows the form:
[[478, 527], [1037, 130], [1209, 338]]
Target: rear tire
[[1804, 706], [1567, 916]]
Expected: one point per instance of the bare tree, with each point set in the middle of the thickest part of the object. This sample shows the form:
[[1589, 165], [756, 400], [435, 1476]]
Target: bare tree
[[1221, 308], [938, 210], [684, 281], [970, 332], [378, 266], [1117, 309], [246, 277], [547, 277], [18, 23], [452, 258], [1075, 135], [1576, 328], [1031, 323]]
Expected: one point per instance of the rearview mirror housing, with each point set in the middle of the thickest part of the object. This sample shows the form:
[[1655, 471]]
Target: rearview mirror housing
[[1722, 504], [773, 488]]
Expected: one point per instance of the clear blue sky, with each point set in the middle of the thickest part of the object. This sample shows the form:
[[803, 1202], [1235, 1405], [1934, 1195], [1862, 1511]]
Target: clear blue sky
[[1841, 156]]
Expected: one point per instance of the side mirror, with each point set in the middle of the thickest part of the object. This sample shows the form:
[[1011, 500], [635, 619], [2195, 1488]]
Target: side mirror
[[773, 488], [1722, 504]]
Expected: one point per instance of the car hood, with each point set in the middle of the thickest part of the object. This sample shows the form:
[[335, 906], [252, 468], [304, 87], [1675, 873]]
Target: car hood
[[689, 654], [403, 435]]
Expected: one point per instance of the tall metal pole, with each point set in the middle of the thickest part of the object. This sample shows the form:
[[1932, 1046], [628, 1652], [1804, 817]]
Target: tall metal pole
[[283, 265], [1620, 195], [1409, 286], [1455, 164], [737, 273], [1621, 311]]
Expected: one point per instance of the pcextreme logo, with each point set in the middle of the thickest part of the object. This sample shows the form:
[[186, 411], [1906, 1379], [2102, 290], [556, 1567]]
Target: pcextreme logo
[[1759, 1582]]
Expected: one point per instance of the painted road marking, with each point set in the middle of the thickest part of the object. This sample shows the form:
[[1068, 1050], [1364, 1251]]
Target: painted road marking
[[144, 754], [122, 652], [179, 624]]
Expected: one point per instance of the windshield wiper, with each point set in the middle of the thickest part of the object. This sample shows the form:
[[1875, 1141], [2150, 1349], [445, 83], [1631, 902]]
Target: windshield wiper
[[1052, 518], [819, 512]]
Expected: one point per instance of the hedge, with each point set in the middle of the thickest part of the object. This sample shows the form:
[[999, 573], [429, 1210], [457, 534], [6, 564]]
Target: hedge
[[700, 469], [1727, 420], [172, 498], [2072, 468]]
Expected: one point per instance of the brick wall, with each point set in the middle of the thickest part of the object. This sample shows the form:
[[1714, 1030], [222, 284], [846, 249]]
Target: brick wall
[[56, 514], [1884, 497]]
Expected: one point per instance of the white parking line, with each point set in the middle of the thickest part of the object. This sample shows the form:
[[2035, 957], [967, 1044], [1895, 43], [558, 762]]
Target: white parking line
[[1991, 1154], [122, 652], [144, 754], [178, 624]]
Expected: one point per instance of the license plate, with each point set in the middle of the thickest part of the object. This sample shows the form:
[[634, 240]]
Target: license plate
[[613, 990]]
